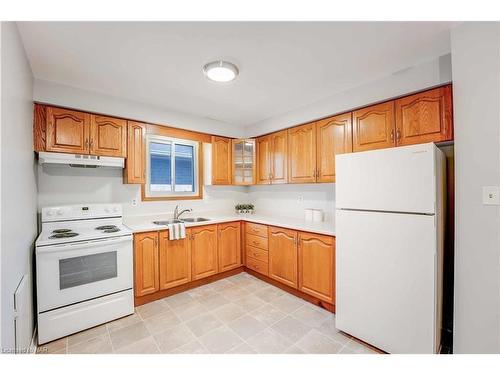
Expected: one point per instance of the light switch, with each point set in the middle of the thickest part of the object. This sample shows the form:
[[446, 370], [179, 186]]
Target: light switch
[[491, 195]]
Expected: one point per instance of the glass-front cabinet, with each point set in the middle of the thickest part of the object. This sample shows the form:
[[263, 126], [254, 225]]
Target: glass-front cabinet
[[243, 161]]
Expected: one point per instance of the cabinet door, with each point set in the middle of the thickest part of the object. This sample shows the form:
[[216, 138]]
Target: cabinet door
[[221, 161], [67, 131], [108, 136], [203, 242], [302, 153], [333, 137], [135, 164], [283, 255], [229, 246], [373, 127], [279, 157], [263, 150], [317, 265], [175, 261], [146, 263], [424, 117]]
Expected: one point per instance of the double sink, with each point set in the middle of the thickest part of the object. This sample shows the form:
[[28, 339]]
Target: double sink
[[186, 220]]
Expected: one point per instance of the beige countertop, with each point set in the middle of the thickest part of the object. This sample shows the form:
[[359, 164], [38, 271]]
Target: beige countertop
[[144, 223]]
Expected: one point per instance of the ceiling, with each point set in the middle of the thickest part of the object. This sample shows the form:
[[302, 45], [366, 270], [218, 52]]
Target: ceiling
[[283, 65]]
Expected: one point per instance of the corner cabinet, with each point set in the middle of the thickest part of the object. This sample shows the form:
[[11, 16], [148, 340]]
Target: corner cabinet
[[146, 272], [229, 246], [221, 161], [135, 165], [203, 243], [243, 163]]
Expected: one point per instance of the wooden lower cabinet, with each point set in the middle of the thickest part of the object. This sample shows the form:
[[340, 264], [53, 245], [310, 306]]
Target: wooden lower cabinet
[[203, 244], [283, 255], [316, 265], [146, 272], [174, 261], [229, 245]]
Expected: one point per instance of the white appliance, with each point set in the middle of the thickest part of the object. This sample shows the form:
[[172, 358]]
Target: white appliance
[[389, 247], [80, 160], [84, 269]]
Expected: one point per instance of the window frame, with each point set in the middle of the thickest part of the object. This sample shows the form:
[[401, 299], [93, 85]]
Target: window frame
[[147, 194]]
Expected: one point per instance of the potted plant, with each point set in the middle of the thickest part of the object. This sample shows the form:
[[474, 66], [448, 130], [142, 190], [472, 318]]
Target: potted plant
[[244, 208]]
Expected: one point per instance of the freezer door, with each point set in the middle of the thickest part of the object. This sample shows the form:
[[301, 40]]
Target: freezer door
[[386, 282], [400, 179]]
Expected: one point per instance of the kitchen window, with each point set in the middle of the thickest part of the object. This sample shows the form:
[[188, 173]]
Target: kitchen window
[[172, 169]]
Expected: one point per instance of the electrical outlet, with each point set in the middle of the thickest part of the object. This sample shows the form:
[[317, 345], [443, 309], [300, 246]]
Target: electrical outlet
[[134, 202], [491, 195], [300, 199]]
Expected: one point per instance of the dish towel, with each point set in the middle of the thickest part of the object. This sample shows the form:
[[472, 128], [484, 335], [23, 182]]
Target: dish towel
[[176, 231]]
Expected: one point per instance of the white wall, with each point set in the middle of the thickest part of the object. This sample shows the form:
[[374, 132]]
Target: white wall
[[18, 174], [65, 185], [421, 76], [290, 200], [72, 97], [476, 94]]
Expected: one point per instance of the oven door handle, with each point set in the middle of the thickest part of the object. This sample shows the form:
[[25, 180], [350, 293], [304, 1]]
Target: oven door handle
[[82, 245]]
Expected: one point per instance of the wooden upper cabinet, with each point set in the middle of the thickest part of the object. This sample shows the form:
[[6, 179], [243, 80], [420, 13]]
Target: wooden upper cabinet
[[108, 136], [67, 131], [316, 254], [373, 127], [174, 261], [203, 242], [279, 157], [425, 117], [283, 255], [243, 164], [302, 153], [263, 153], [221, 161], [135, 164], [333, 137], [146, 263], [229, 245]]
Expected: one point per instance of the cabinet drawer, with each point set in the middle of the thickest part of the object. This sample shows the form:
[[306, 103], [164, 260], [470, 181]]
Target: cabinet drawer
[[257, 254], [257, 266], [256, 229], [256, 241]]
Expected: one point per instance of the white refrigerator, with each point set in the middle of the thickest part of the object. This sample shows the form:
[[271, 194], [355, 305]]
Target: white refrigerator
[[389, 247]]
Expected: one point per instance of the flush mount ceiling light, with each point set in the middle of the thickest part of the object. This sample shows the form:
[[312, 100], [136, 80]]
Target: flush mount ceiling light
[[220, 71]]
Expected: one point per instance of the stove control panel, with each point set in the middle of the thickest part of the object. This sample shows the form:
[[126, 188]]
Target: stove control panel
[[83, 211]]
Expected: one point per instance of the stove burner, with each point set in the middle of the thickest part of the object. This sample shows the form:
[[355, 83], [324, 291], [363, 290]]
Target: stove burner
[[107, 227], [112, 230], [63, 235], [61, 230]]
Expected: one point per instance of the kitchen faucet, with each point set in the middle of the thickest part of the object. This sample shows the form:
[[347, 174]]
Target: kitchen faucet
[[177, 214]]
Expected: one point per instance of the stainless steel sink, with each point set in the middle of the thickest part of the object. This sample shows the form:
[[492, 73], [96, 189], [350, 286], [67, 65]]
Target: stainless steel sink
[[194, 219], [166, 222]]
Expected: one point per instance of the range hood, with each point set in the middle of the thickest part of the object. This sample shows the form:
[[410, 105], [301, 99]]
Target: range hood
[[80, 161]]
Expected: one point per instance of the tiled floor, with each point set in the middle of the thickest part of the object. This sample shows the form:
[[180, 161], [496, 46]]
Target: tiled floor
[[240, 314]]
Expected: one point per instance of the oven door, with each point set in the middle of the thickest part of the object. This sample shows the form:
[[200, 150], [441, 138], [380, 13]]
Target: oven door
[[70, 273]]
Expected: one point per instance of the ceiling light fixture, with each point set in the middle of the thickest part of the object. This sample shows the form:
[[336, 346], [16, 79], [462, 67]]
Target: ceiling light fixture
[[220, 71]]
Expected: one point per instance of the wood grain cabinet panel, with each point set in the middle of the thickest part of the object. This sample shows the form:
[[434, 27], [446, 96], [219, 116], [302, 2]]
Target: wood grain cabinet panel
[[283, 256], [229, 246], [67, 131], [316, 263], [373, 127], [258, 266], [135, 164], [221, 161], [256, 229], [279, 157], [333, 137], [174, 261], [203, 243], [424, 117], [302, 153], [108, 136], [263, 159], [146, 263]]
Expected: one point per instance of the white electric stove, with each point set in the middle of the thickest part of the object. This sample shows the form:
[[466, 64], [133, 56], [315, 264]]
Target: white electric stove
[[84, 265]]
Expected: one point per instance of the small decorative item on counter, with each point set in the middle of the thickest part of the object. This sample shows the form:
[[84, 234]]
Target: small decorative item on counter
[[244, 208], [317, 215], [308, 214]]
